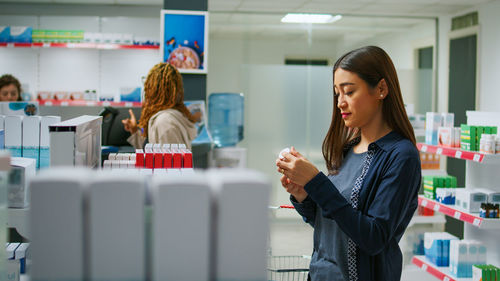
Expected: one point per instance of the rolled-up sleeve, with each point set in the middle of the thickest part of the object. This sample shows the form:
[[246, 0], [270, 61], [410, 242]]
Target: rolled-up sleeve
[[395, 196]]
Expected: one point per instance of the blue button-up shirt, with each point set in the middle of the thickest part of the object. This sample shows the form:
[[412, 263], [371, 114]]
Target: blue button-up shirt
[[387, 202]]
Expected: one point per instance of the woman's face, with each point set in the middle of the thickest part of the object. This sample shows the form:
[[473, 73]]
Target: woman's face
[[9, 93], [359, 103]]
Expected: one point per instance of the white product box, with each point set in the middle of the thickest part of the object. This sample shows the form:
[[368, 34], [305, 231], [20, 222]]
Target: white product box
[[56, 224], [170, 255], [127, 38], [106, 165], [76, 142], [493, 197], [112, 156], [4, 168], [433, 121], [11, 249], [31, 138], [115, 164], [20, 255], [14, 135], [469, 199], [13, 272], [446, 136], [22, 108], [23, 170], [448, 120], [116, 231], [123, 164], [147, 172], [45, 139], [2, 122], [246, 232]]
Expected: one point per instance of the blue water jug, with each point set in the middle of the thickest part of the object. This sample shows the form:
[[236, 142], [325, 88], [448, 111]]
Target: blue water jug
[[225, 118]]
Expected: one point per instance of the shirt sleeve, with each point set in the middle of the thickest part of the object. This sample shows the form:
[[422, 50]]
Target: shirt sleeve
[[136, 140], [394, 198], [307, 209]]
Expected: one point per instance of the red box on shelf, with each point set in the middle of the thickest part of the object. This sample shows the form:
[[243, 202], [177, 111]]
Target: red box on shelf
[[167, 158], [187, 158], [158, 159], [149, 157], [139, 158], [177, 159]]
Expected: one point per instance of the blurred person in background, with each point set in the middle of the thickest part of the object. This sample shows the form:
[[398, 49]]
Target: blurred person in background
[[10, 88], [164, 117]]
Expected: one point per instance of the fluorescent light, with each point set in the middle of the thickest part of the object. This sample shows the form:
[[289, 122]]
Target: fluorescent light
[[310, 18]]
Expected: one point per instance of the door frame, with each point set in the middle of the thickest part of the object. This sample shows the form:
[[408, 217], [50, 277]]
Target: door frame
[[456, 34], [425, 43]]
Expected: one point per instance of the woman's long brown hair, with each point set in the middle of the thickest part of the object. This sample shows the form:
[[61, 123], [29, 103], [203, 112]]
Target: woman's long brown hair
[[371, 64], [163, 89]]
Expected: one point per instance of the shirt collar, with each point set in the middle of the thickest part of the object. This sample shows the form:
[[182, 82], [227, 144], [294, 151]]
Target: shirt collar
[[387, 141]]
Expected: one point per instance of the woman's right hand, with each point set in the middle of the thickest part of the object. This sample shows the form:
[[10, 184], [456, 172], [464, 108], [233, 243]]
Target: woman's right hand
[[294, 189], [130, 124]]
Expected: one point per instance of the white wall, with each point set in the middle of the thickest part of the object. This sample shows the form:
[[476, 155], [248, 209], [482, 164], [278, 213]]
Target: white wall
[[488, 60], [228, 56]]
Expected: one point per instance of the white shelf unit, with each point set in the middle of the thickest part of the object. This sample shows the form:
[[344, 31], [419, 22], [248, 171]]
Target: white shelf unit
[[19, 219], [77, 67], [479, 172]]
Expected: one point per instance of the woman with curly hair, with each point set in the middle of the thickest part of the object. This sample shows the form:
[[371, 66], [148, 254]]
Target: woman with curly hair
[[164, 117]]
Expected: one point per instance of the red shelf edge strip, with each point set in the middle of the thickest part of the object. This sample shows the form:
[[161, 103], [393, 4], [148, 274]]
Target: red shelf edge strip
[[466, 217], [431, 269], [451, 152], [103, 46]]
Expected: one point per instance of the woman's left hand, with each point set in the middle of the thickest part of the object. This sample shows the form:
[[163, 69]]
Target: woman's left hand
[[296, 167]]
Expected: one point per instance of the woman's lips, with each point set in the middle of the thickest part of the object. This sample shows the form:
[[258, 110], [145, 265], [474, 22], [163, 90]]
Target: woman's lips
[[344, 115]]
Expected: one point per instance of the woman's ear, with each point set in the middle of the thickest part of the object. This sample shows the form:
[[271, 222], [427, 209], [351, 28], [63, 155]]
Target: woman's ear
[[382, 89]]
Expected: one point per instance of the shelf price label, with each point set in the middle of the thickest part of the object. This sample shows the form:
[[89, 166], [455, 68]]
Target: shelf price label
[[476, 222], [457, 215], [46, 45], [446, 278], [64, 103], [424, 266], [424, 203], [436, 207], [424, 148], [477, 157], [458, 154], [439, 150], [129, 104]]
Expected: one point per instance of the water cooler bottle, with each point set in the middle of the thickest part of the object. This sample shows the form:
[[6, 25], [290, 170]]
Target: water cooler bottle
[[225, 123]]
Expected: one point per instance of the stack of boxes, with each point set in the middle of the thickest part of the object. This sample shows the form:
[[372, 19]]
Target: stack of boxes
[[470, 199], [28, 137], [57, 36], [437, 247], [439, 129], [17, 255], [446, 186], [192, 234], [167, 156], [463, 255], [485, 273], [471, 136]]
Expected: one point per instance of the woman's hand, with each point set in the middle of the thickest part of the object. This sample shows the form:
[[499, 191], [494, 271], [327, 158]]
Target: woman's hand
[[294, 189], [130, 124], [296, 168]]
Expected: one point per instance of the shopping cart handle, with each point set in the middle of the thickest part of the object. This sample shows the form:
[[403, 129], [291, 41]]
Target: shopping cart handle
[[282, 207]]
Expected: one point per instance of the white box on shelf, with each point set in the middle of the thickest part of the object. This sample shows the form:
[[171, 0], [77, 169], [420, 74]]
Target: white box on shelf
[[31, 138], [433, 121], [245, 233], [76, 142], [23, 170], [14, 135], [448, 119], [45, 139], [492, 197], [56, 224], [2, 122], [469, 199], [22, 108], [116, 232], [191, 195]]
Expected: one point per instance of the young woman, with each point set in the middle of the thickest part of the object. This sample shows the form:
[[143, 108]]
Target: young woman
[[10, 88], [164, 117], [361, 209]]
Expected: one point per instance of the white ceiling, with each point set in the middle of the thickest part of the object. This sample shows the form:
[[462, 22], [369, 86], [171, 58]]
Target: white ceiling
[[361, 18]]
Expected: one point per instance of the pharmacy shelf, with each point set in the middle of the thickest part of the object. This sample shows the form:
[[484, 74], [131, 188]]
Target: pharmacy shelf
[[460, 154], [88, 103], [102, 46], [440, 272], [438, 218], [18, 219], [459, 214]]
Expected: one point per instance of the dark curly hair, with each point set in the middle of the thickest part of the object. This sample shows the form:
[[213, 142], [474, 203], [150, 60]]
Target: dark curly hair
[[7, 80]]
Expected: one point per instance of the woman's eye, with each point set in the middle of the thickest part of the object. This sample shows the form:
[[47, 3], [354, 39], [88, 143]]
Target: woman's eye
[[349, 93]]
